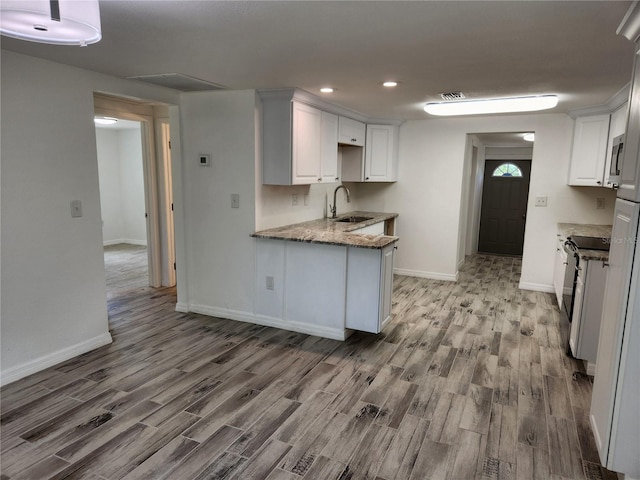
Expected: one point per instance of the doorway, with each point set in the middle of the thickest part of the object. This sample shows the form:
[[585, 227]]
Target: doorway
[[504, 206], [154, 208]]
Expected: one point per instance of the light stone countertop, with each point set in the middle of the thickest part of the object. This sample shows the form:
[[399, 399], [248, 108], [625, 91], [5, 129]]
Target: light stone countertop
[[586, 230], [330, 232]]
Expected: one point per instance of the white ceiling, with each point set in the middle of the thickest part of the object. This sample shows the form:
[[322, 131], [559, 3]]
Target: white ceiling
[[484, 49]]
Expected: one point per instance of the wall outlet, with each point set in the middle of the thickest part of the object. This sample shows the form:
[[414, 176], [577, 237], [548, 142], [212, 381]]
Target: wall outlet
[[294, 199], [541, 201], [269, 283], [235, 200], [599, 203]]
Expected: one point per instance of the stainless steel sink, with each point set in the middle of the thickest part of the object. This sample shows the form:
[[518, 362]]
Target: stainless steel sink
[[353, 219]]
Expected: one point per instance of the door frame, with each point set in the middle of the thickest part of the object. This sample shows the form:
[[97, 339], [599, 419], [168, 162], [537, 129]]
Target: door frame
[[475, 182], [167, 224], [150, 186]]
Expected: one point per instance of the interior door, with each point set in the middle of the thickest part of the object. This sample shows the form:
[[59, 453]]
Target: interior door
[[504, 206]]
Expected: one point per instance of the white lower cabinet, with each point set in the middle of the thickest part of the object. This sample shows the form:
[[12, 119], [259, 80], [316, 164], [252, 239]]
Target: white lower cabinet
[[314, 284], [323, 289], [369, 288]]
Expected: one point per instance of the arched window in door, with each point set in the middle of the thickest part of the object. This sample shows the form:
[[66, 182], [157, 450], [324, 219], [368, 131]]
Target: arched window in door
[[507, 170]]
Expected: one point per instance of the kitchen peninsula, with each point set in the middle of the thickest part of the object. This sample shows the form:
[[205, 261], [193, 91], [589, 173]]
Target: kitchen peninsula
[[327, 277]]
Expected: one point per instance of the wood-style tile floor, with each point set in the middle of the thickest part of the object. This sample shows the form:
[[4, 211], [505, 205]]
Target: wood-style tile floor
[[469, 381]]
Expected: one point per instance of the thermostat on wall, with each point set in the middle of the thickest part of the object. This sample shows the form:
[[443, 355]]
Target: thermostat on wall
[[204, 160]]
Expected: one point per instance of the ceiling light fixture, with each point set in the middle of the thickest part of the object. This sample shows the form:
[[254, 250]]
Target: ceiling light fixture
[[326, 90], [58, 22], [390, 84], [494, 105], [529, 137], [105, 120]]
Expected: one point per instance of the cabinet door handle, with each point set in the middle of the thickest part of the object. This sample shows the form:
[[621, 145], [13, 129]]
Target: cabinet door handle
[[367, 178], [320, 179], [337, 178], [599, 182]]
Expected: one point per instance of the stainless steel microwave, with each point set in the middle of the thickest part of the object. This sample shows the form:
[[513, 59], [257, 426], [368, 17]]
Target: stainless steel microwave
[[616, 160]]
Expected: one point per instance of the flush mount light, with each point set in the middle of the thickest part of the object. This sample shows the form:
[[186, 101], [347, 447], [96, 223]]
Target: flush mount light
[[326, 90], [529, 137], [494, 105], [390, 84], [105, 120], [58, 22]]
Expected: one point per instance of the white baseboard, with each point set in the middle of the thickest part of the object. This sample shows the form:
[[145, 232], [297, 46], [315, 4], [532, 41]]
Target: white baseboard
[[133, 241], [129, 241], [320, 331], [431, 275], [20, 371], [536, 287], [182, 307]]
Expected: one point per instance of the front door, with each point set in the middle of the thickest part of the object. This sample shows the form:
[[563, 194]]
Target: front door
[[504, 206]]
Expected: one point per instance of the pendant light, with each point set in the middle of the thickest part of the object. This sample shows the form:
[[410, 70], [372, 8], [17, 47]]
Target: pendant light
[[58, 22]]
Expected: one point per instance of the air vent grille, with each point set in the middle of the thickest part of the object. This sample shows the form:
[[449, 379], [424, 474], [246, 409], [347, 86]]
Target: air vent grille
[[178, 81], [452, 96]]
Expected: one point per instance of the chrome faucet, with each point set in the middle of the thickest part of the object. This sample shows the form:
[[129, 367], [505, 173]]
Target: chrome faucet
[[333, 208]]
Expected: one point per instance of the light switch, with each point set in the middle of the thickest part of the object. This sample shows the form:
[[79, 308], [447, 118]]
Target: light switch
[[76, 208], [235, 200], [294, 199]]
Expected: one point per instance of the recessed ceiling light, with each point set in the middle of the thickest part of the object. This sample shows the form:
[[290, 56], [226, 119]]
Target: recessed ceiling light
[[326, 90], [390, 84], [105, 120], [494, 105], [529, 137]]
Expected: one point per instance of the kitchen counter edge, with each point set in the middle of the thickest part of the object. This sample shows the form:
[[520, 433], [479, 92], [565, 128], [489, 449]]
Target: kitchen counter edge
[[327, 231]]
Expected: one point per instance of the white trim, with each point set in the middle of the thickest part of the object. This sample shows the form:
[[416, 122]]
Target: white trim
[[591, 368], [182, 307], [28, 368], [536, 287], [333, 333], [128, 241], [448, 277]]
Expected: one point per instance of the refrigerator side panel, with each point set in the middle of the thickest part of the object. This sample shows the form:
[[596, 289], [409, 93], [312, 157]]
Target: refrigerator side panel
[[624, 446], [629, 187], [625, 226]]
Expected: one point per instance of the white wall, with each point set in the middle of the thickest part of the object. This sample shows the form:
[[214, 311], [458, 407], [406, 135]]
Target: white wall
[[132, 181], [109, 178], [219, 249], [121, 186], [429, 190], [53, 284]]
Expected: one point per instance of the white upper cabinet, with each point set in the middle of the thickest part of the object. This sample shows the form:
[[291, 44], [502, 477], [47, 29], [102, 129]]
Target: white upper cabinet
[[351, 132], [380, 160], [299, 142], [589, 151], [629, 188], [306, 144], [329, 148], [381, 153]]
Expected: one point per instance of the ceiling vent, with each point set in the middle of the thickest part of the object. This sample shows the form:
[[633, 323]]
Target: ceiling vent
[[452, 96], [178, 81]]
